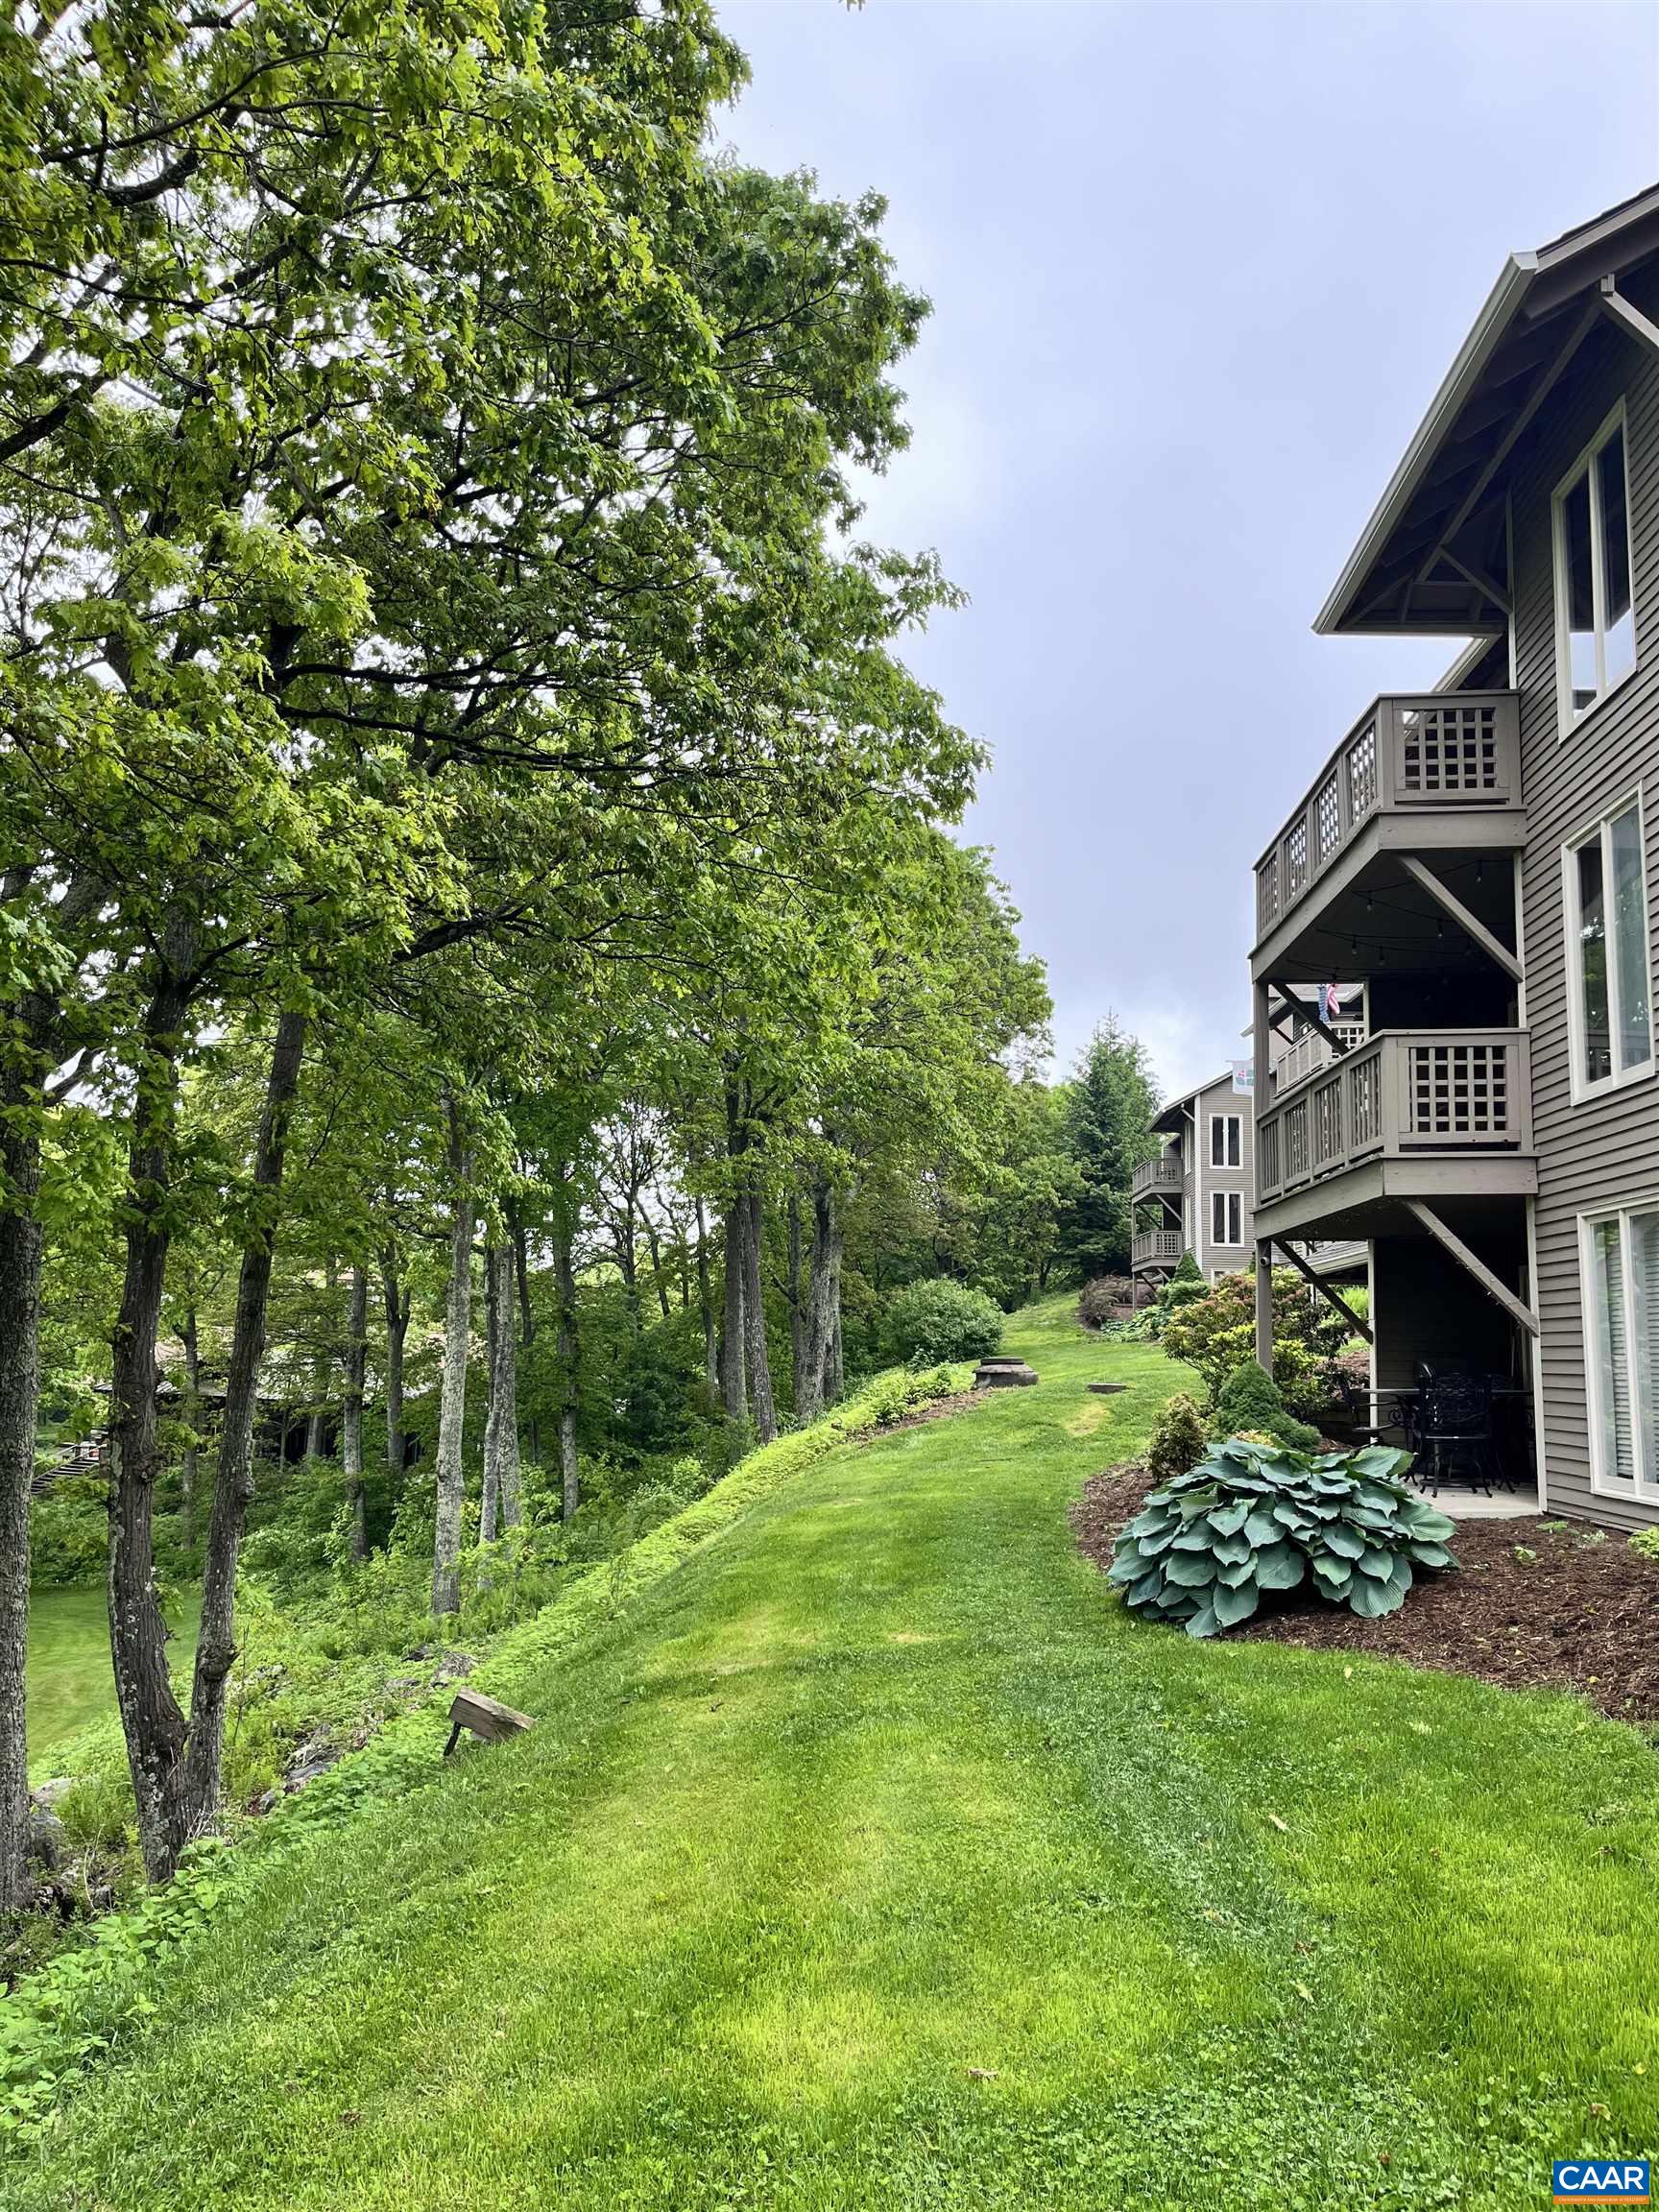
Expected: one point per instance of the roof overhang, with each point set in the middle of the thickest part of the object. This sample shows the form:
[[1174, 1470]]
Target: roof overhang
[[1432, 559]]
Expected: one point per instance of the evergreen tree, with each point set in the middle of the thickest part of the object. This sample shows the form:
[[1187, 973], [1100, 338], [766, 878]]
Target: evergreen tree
[[1110, 1104]]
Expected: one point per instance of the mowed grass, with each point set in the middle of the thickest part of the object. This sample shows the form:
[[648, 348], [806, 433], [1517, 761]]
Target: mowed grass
[[70, 1678], [877, 1858]]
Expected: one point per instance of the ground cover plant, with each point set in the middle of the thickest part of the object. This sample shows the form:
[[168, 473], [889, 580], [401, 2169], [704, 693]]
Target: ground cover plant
[[1534, 1604], [871, 1855], [1253, 1518]]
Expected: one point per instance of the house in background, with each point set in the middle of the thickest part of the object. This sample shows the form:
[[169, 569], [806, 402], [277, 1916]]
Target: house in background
[[1194, 1197], [1480, 858]]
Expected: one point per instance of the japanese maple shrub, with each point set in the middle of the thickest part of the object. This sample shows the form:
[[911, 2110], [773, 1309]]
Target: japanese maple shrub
[[1253, 1517]]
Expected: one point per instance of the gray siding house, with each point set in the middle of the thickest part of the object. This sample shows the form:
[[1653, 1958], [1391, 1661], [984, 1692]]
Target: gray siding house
[[1195, 1195], [1482, 857]]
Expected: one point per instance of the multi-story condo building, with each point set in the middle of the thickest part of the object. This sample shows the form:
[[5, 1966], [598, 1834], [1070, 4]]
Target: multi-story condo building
[[1481, 857], [1194, 1197]]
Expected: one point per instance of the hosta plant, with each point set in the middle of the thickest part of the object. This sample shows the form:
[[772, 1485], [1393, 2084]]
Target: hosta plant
[[1253, 1517]]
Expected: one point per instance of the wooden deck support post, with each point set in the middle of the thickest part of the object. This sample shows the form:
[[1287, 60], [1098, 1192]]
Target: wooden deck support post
[[1326, 1291], [1265, 1303]]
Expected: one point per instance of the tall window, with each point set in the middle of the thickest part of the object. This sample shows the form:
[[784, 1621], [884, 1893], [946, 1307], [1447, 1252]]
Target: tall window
[[1621, 1266], [1226, 1139], [1595, 619], [1226, 1217], [1607, 953]]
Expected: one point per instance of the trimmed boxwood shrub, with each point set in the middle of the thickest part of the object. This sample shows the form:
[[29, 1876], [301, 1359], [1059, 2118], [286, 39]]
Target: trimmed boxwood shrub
[[1251, 1518], [929, 1323], [1251, 1400]]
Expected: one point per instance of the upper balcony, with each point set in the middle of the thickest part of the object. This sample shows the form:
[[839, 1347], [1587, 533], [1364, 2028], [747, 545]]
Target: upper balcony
[[1419, 772], [1161, 1178], [1413, 1114]]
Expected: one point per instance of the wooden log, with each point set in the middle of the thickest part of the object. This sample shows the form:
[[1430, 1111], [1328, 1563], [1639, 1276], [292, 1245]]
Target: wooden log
[[484, 1718]]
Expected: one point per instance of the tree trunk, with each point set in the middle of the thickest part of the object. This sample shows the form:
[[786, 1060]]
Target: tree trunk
[[520, 1270], [733, 1370], [654, 1244], [509, 1487], [799, 1384], [489, 1497], [28, 1034], [705, 1306], [755, 1322], [627, 1263], [569, 1348], [233, 1476], [452, 1402], [321, 1365], [192, 1412], [397, 1304], [20, 1106], [150, 1721], [351, 1416], [822, 1302]]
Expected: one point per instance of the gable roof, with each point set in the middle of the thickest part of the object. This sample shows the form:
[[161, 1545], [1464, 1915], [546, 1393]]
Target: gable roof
[[1427, 559]]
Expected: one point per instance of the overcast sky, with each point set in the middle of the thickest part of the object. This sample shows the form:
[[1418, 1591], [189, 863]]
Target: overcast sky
[[1196, 273]]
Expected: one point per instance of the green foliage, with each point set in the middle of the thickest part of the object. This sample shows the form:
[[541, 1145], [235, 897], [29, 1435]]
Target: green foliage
[[1101, 1297], [941, 1321], [1215, 1334], [1254, 1518], [1185, 1287], [69, 1531], [1645, 1541], [1177, 1442], [1110, 1103], [1250, 1399]]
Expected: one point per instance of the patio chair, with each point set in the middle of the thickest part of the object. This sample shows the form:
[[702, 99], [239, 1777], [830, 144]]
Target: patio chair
[[1452, 1432], [1391, 1412]]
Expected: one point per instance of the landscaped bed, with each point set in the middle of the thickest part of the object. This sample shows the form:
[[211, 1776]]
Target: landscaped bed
[[1533, 1602]]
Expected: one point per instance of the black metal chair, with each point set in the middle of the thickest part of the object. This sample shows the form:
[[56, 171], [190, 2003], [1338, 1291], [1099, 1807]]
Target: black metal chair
[[1391, 1413], [1454, 1429]]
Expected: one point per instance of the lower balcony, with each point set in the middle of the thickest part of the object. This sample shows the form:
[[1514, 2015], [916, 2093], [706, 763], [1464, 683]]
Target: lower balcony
[[1419, 1114], [1157, 1248]]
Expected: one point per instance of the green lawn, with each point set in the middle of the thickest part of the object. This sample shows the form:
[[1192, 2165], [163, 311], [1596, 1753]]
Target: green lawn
[[70, 1681], [875, 1859]]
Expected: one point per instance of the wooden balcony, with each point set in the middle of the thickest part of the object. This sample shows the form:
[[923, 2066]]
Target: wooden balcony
[[1157, 1248], [1415, 1113], [1431, 769], [1160, 1178]]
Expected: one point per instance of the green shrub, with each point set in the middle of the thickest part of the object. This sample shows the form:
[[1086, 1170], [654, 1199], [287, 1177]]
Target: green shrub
[[1251, 1518], [1217, 1332], [69, 1531], [929, 1323], [1177, 1438], [1250, 1399], [1646, 1541], [1185, 1287]]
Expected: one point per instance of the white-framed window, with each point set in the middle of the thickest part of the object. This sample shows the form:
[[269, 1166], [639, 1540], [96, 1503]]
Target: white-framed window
[[1594, 610], [1226, 1217], [1226, 1139], [1619, 1256], [1610, 997]]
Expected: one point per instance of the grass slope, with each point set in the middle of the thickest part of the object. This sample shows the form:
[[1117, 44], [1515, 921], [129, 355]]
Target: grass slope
[[873, 1858], [71, 1682]]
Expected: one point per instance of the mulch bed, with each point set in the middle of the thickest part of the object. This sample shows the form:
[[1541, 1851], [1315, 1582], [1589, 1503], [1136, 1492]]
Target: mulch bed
[[1581, 1613]]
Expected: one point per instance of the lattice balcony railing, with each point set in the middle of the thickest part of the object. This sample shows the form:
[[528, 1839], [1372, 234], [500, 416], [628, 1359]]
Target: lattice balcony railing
[[1406, 1093], [1425, 750]]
